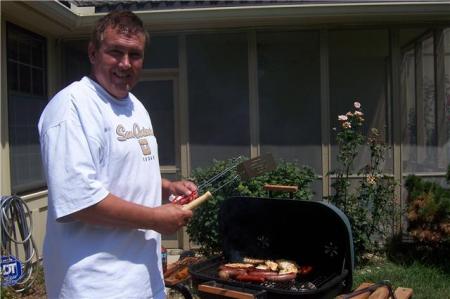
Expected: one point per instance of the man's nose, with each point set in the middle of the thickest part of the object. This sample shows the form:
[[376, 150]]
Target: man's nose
[[125, 62]]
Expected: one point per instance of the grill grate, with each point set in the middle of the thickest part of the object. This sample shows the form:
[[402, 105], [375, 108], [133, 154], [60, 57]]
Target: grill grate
[[301, 284], [309, 283]]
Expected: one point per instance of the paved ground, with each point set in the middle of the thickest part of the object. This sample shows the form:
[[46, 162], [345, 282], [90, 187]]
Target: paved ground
[[173, 255]]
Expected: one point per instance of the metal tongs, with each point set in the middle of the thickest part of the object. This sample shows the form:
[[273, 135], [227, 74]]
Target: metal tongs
[[245, 169], [370, 289]]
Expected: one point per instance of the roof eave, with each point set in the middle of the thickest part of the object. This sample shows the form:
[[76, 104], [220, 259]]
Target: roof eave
[[253, 16], [188, 19]]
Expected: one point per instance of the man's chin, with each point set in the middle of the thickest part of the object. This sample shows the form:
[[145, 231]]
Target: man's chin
[[118, 94], [121, 91], [122, 96]]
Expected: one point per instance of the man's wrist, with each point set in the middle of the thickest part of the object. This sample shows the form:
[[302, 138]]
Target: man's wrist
[[166, 186]]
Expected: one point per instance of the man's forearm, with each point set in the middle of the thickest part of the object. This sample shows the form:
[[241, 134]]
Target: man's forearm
[[115, 212]]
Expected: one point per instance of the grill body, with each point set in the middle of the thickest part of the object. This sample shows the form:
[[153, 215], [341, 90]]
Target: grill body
[[307, 232]]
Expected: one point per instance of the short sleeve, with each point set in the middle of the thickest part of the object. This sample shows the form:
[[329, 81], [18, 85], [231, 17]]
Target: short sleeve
[[70, 160]]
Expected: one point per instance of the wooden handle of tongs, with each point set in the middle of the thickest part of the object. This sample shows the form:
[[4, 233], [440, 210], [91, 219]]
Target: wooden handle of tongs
[[198, 201]]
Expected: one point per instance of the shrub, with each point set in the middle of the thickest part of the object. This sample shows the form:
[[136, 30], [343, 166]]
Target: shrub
[[428, 232], [370, 206], [203, 227], [428, 212]]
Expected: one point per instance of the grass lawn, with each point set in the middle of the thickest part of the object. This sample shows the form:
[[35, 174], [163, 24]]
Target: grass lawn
[[428, 282]]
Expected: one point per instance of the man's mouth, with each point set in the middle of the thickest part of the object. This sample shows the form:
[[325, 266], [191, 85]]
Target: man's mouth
[[123, 78], [122, 75]]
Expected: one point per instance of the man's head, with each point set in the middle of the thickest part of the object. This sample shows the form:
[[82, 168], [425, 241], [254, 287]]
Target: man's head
[[116, 52]]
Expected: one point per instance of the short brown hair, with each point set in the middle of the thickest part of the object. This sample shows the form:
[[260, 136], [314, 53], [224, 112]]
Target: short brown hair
[[126, 21]]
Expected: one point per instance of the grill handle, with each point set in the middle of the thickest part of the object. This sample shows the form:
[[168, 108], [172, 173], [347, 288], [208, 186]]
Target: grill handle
[[212, 289], [281, 188]]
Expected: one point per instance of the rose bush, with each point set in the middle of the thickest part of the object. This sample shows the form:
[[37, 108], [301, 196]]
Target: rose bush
[[369, 204]]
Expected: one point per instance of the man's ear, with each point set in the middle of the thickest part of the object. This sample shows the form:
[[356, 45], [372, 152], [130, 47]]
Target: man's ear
[[92, 51]]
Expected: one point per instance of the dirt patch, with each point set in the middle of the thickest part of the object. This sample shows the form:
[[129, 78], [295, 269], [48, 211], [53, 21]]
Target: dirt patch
[[35, 291]]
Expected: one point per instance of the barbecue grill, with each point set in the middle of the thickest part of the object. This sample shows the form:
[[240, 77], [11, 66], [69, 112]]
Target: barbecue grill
[[307, 232]]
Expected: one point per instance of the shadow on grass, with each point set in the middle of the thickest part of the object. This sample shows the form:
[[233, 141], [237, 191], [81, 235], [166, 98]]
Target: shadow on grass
[[408, 252]]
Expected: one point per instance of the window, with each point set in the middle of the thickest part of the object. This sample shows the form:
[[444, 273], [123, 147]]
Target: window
[[446, 87], [218, 97], [426, 101], [422, 152], [158, 99], [289, 96], [408, 94], [75, 60], [27, 97], [359, 70], [162, 52]]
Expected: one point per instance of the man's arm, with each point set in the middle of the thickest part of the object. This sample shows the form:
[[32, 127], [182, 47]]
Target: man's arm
[[113, 211]]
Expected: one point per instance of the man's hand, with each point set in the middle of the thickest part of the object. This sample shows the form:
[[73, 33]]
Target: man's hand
[[177, 188], [171, 218]]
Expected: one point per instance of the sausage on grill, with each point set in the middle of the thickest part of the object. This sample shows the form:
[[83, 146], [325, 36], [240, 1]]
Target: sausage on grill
[[251, 278], [263, 273], [228, 272], [282, 277]]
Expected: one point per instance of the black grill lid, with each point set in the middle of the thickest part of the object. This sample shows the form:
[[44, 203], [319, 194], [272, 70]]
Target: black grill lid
[[308, 232]]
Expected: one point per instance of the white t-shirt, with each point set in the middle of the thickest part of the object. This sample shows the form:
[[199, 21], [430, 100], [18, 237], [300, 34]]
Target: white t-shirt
[[92, 145]]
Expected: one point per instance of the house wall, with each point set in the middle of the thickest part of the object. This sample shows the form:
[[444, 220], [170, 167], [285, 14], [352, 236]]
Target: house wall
[[4, 150], [218, 79], [20, 15], [291, 70]]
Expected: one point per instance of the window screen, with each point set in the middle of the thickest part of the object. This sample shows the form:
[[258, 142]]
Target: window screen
[[161, 52], [289, 96], [158, 99], [421, 152], [408, 95], [76, 62], [359, 70], [218, 97], [427, 141], [447, 87]]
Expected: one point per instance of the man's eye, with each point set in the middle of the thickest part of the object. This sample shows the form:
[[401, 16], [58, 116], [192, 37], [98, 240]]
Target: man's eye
[[135, 55], [115, 52]]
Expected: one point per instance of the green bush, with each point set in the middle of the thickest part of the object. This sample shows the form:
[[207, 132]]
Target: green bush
[[203, 227]]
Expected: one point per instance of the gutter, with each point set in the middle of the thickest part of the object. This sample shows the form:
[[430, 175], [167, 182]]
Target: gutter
[[297, 15], [261, 15], [56, 12]]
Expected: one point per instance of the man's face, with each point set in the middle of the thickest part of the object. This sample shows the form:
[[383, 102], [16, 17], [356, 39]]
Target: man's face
[[116, 65]]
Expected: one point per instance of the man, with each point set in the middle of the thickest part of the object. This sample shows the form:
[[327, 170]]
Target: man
[[104, 183]]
